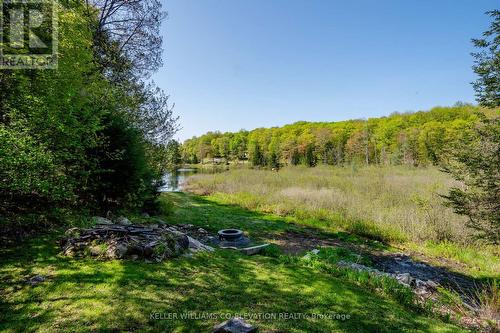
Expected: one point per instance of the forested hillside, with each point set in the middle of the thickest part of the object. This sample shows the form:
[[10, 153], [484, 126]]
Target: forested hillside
[[418, 138]]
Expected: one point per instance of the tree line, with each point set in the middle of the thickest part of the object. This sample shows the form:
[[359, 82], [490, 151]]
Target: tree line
[[93, 132], [415, 139]]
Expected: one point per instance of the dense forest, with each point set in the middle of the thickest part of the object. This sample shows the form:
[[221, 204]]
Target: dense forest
[[416, 139], [91, 133]]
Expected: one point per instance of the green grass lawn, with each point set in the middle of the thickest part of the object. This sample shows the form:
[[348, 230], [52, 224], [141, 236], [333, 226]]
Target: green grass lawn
[[83, 295]]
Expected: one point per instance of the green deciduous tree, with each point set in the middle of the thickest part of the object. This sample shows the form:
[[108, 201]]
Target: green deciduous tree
[[173, 154], [411, 139], [90, 133]]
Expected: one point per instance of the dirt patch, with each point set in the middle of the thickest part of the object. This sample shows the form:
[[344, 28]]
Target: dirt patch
[[294, 243]]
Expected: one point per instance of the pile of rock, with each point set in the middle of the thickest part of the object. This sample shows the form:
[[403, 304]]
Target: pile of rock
[[122, 239], [422, 288], [196, 232]]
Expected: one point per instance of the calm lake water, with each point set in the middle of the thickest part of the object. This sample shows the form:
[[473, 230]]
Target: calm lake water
[[175, 179]]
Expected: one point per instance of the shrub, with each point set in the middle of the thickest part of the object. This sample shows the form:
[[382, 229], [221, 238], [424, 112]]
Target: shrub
[[165, 206], [272, 251]]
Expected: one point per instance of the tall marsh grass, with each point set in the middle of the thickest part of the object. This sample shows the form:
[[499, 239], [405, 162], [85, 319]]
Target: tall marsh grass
[[390, 203]]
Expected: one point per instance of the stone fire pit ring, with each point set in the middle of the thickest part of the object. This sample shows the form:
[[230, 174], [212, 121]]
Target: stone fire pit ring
[[230, 234]]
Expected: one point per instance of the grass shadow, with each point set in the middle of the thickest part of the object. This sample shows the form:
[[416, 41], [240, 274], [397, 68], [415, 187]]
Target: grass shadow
[[85, 295]]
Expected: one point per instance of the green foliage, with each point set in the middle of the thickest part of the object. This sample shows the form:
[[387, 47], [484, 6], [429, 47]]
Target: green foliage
[[256, 155], [274, 161], [173, 154], [415, 139], [122, 177], [27, 166], [165, 206], [475, 162], [78, 136], [487, 64], [309, 157], [47, 122], [272, 251]]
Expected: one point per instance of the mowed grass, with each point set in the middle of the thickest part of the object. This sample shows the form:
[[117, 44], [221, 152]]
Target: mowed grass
[[84, 295], [397, 205]]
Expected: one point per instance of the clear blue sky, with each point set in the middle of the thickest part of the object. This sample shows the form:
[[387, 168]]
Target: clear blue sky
[[232, 64]]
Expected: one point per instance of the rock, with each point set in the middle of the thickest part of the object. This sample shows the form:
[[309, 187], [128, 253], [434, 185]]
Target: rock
[[148, 251], [234, 325], [117, 251], [420, 284], [37, 279], [69, 251], [432, 284], [202, 231], [359, 267], [307, 256], [183, 241], [405, 278], [73, 232], [123, 220], [96, 250], [135, 249], [195, 245], [175, 231], [101, 220], [253, 249], [121, 250], [145, 214]]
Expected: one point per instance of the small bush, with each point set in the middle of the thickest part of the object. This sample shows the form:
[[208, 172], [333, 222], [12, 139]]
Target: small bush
[[272, 251], [165, 206], [335, 254]]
